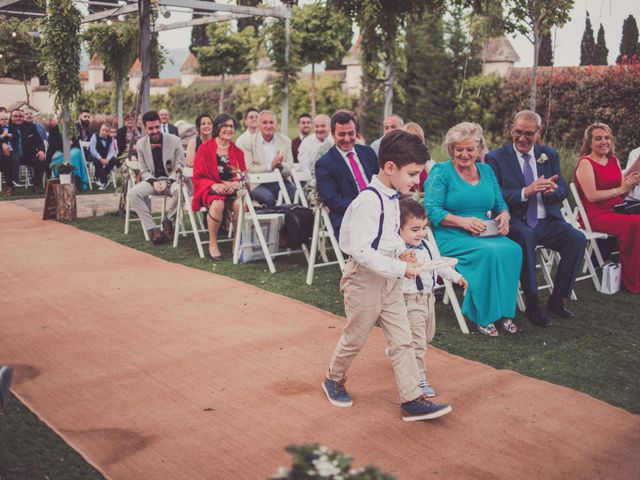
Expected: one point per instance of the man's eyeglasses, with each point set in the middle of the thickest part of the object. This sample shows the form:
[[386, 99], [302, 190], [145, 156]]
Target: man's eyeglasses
[[529, 133]]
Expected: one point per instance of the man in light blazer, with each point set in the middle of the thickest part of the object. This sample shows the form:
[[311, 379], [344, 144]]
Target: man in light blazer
[[159, 156], [267, 151], [345, 170], [531, 184]]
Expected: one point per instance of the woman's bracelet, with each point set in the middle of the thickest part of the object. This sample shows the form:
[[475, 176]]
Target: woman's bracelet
[[615, 193]]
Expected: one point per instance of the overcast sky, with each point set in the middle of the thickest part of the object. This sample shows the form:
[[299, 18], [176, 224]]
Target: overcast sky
[[611, 13]]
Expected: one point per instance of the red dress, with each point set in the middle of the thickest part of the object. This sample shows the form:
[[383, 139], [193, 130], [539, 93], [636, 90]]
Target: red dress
[[206, 172], [603, 219]]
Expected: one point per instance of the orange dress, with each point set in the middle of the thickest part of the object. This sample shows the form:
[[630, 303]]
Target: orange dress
[[603, 219]]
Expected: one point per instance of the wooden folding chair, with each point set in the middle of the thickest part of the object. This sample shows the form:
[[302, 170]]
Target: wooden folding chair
[[450, 294], [249, 214]]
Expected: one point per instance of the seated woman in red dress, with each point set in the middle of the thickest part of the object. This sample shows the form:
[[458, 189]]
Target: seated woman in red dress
[[217, 171], [601, 185]]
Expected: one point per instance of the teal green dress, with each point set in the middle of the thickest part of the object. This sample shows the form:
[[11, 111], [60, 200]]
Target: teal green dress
[[491, 265]]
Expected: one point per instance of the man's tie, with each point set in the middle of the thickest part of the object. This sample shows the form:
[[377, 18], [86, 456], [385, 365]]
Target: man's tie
[[164, 128], [20, 152], [356, 171], [532, 202]]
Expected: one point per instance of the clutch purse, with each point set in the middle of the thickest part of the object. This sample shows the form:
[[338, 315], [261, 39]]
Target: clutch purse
[[491, 230]]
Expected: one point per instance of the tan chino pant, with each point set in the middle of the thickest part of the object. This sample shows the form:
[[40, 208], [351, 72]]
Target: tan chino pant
[[369, 297], [422, 321]]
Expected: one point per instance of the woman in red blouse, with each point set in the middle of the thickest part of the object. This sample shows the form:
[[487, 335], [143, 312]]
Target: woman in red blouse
[[601, 185], [217, 171]]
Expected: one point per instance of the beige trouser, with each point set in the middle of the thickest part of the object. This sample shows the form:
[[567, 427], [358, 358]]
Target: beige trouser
[[422, 321], [368, 297], [140, 198]]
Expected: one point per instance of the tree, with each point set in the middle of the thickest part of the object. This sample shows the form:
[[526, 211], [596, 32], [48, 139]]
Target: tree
[[629, 44], [382, 22], [546, 50], [532, 18], [61, 57], [324, 37], [254, 21], [588, 44], [601, 52], [117, 47], [20, 52], [229, 53]]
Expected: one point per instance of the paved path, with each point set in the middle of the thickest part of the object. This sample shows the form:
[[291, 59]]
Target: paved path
[[154, 370]]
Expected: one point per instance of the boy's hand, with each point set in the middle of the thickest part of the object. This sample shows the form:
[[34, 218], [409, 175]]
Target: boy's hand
[[408, 256], [411, 271], [462, 282]]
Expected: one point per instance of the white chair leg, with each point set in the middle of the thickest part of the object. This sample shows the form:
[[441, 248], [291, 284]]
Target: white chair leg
[[314, 246]]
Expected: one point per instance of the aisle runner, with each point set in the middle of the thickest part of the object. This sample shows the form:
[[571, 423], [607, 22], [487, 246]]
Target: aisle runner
[[154, 370]]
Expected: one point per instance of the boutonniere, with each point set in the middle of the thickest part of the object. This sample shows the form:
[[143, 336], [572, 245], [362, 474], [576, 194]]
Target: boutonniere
[[542, 158]]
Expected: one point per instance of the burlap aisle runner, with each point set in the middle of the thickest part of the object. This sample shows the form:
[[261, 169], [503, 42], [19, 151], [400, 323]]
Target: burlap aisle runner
[[153, 370]]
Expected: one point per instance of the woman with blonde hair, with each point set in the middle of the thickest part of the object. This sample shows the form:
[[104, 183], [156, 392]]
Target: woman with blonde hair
[[461, 196], [601, 185], [415, 129]]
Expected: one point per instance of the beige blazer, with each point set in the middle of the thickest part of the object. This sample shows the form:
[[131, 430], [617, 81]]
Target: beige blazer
[[254, 155], [172, 155]]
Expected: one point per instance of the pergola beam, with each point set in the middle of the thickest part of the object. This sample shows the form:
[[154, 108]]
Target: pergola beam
[[280, 12], [200, 21], [6, 3], [113, 12]]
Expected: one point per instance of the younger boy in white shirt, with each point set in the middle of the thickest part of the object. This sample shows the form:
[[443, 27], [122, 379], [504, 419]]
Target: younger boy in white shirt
[[418, 291], [372, 280]]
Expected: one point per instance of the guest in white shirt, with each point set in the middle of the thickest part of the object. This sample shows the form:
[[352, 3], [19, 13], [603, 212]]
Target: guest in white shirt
[[310, 145], [391, 123], [251, 124], [269, 150]]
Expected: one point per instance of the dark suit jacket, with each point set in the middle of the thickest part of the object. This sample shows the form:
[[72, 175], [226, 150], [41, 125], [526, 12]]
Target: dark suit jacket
[[335, 183], [55, 142], [173, 130], [31, 143], [121, 140], [506, 166], [295, 146]]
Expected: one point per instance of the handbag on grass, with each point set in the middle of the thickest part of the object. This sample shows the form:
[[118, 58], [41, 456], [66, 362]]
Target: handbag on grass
[[611, 275]]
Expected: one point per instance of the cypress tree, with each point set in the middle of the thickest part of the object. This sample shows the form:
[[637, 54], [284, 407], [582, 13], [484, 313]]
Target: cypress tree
[[629, 44], [588, 44], [546, 51], [600, 52]]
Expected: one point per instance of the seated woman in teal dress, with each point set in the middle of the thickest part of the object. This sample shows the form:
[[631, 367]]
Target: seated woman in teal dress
[[459, 196]]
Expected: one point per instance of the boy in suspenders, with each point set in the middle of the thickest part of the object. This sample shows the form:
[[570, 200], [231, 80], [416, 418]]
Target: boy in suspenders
[[372, 281], [418, 291]]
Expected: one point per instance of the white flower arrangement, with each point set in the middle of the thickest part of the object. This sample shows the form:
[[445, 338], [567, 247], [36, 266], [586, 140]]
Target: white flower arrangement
[[542, 159]]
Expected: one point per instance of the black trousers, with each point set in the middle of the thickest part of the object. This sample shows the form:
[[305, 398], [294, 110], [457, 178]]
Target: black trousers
[[103, 171], [10, 167]]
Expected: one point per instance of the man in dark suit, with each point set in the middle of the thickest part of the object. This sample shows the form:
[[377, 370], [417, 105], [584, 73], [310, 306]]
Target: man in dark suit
[[531, 184], [165, 126], [30, 147], [345, 170]]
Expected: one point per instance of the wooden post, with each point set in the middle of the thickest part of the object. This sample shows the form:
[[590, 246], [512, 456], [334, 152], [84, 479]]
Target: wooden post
[[60, 202]]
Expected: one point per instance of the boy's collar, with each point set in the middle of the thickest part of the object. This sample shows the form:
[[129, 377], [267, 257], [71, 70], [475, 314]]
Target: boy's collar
[[382, 188]]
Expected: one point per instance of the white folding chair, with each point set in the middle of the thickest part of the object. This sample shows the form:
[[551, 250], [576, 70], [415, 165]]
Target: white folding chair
[[323, 230], [593, 247], [298, 177], [450, 294], [545, 264], [196, 223], [133, 167], [248, 214], [24, 174]]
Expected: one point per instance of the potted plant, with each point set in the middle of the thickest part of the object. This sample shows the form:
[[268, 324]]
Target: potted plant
[[65, 170]]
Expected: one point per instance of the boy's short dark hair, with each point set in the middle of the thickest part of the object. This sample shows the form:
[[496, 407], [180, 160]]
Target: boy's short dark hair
[[150, 116], [409, 209], [249, 110], [343, 117], [402, 148]]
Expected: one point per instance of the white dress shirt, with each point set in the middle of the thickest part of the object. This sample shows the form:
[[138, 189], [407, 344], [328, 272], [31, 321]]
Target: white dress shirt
[[308, 150], [376, 144], [360, 228], [355, 157], [542, 210], [93, 146], [269, 149], [428, 279]]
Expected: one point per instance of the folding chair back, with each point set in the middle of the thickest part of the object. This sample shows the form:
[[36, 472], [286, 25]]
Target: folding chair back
[[274, 176], [589, 233], [88, 166], [322, 230], [300, 176], [450, 294]]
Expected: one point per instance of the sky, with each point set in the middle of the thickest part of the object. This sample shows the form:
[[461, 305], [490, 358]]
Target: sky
[[611, 13]]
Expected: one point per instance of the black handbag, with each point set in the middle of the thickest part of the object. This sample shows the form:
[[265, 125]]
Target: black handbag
[[628, 207]]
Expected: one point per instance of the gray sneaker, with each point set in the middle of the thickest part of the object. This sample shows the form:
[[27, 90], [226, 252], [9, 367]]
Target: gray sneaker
[[427, 389], [6, 374]]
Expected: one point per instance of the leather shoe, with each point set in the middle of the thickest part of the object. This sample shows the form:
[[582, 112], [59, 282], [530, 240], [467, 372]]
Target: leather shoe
[[535, 314], [215, 258], [560, 307], [167, 228], [157, 236]]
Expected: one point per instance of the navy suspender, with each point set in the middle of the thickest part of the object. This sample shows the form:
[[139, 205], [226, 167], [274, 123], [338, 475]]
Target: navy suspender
[[376, 242]]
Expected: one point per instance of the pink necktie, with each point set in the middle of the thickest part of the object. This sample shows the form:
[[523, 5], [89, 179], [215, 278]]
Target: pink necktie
[[356, 171]]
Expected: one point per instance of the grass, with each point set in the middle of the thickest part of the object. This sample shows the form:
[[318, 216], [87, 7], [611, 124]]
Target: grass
[[596, 353]]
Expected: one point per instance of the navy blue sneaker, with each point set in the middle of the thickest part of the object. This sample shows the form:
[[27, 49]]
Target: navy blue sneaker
[[336, 393], [6, 374], [423, 409]]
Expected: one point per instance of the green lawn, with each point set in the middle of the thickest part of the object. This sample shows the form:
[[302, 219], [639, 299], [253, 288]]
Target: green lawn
[[597, 353]]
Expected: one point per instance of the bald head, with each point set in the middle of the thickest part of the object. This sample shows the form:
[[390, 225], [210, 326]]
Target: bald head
[[321, 125], [391, 123]]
